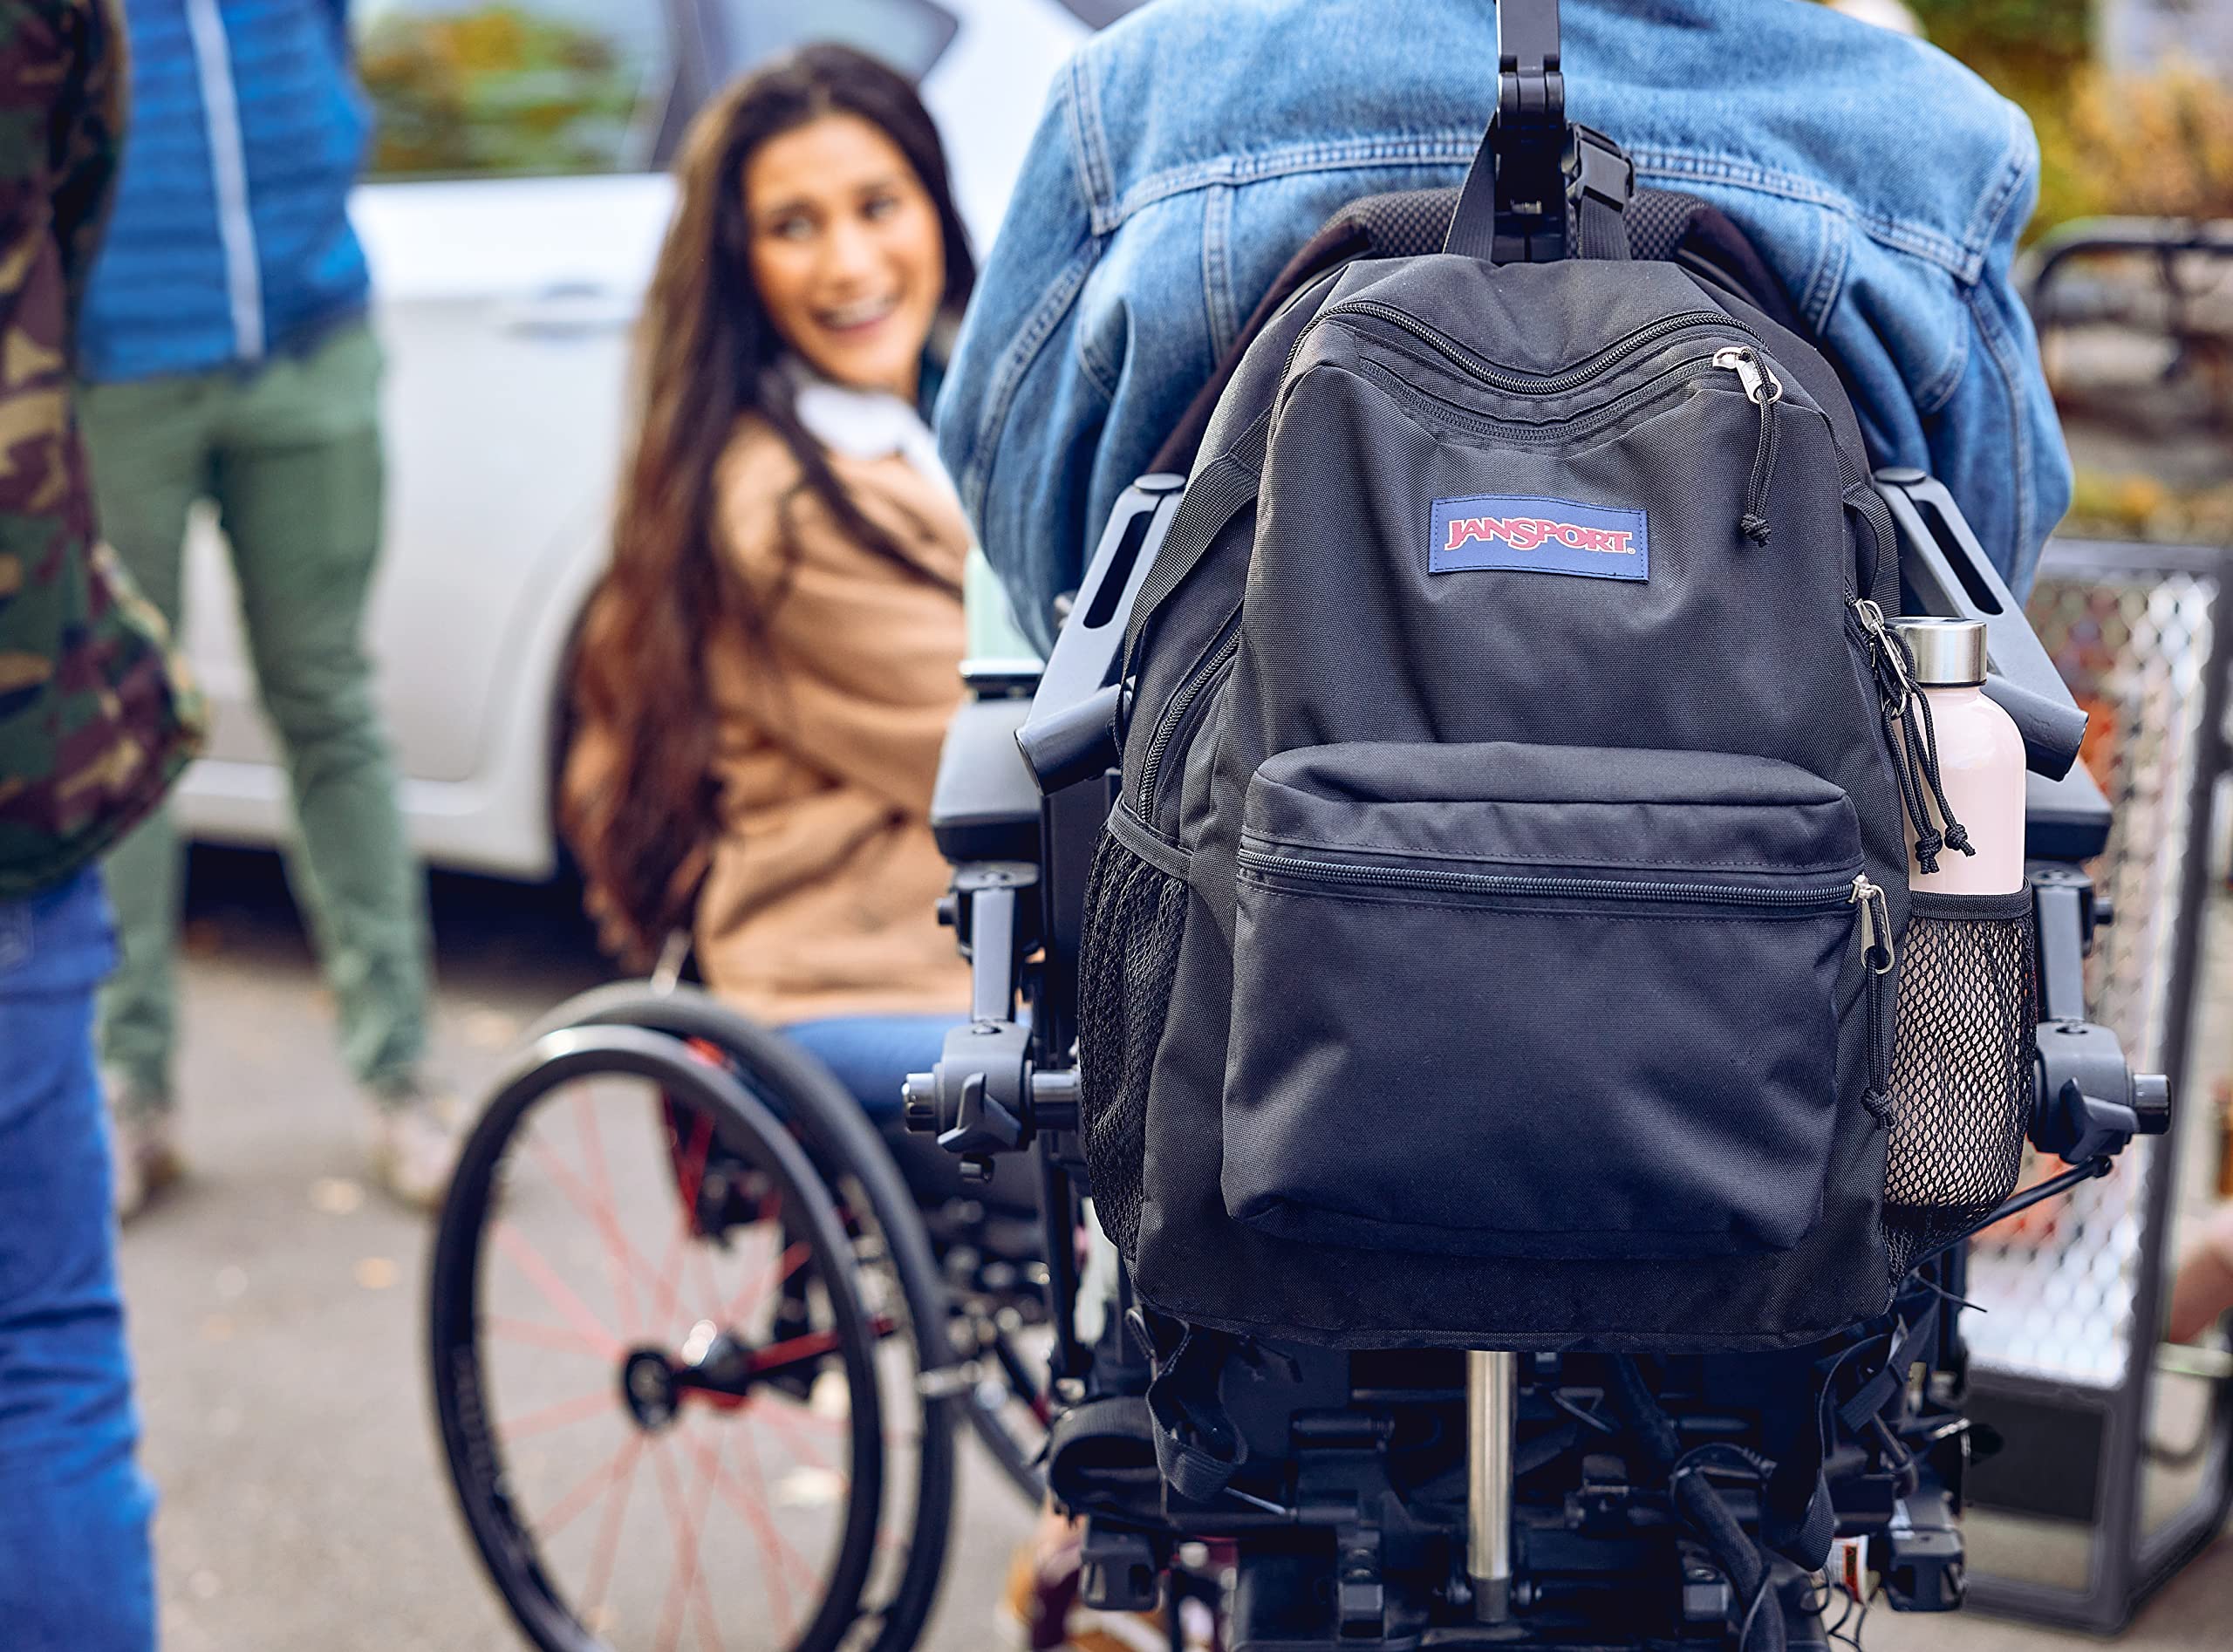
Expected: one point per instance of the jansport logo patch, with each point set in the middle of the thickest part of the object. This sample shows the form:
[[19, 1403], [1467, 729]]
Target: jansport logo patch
[[1538, 536]]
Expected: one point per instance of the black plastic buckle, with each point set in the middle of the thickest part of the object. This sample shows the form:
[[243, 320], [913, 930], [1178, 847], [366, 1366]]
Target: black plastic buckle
[[1597, 169]]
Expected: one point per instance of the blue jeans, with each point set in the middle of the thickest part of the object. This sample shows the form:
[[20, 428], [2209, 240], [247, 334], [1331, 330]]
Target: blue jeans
[[76, 1569], [872, 1055]]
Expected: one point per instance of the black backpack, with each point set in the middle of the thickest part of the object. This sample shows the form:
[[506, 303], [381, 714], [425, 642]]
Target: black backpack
[[1495, 943]]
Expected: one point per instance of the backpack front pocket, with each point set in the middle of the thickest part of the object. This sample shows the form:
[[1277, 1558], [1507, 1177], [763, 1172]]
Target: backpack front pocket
[[1565, 1002]]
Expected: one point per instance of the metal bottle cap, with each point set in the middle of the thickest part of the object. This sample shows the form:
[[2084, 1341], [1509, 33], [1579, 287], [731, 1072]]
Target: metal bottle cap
[[1948, 653]]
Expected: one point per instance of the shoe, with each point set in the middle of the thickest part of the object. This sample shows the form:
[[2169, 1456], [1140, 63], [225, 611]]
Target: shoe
[[145, 1155], [415, 1145]]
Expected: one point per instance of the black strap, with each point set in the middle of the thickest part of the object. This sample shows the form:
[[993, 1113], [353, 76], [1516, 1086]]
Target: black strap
[[1473, 225], [1197, 1446], [1880, 1389], [1215, 497]]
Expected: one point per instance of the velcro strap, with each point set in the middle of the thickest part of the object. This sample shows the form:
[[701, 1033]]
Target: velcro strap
[[1102, 1455]]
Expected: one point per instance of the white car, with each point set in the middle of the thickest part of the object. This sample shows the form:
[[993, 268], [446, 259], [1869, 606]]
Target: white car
[[512, 221]]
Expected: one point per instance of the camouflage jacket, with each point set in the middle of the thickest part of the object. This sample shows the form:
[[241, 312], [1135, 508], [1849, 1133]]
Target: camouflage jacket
[[95, 719]]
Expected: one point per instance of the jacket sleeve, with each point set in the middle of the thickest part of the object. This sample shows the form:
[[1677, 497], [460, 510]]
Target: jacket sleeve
[[1996, 442], [88, 131], [1042, 424], [867, 658]]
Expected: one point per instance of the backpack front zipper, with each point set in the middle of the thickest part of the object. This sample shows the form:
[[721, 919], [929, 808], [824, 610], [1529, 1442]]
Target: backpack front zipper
[[1856, 891]]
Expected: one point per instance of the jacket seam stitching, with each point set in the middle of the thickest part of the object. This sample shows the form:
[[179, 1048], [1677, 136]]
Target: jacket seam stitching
[[1993, 203], [1016, 366], [1829, 277], [1096, 178], [1922, 241], [1216, 268], [1988, 327], [1373, 153]]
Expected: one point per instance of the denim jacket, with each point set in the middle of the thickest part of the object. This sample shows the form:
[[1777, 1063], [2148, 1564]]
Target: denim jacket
[[1186, 153]]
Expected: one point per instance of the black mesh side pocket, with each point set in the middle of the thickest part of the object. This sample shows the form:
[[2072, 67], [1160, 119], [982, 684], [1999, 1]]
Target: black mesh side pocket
[[1961, 1091], [1128, 959]]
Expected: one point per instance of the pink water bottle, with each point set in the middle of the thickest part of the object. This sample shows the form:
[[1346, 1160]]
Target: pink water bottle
[[1980, 760]]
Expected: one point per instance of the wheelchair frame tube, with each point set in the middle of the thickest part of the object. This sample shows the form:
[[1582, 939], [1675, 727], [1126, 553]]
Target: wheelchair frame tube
[[1491, 1409]]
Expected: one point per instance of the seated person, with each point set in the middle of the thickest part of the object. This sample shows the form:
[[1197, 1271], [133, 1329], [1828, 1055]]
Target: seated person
[[1188, 150], [768, 668]]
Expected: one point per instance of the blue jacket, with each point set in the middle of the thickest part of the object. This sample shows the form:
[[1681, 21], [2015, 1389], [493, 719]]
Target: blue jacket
[[230, 238], [1188, 150]]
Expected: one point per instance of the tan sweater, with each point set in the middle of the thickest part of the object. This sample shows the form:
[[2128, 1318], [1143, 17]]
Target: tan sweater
[[820, 898]]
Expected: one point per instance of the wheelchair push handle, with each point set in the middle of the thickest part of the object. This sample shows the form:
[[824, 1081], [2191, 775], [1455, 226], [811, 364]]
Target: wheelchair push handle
[[1944, 571]]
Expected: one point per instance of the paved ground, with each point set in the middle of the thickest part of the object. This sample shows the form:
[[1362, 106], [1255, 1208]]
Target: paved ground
[[277, 1316]]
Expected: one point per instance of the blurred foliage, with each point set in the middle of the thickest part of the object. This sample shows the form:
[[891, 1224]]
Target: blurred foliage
[[2027, 48], [2112, 505], [497, 90], [2156, 145]]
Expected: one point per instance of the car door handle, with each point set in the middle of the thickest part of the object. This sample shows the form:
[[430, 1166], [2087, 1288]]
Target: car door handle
[[570, 311]]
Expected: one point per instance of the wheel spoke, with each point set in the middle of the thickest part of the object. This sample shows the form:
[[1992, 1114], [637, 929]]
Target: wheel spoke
[[595, 1199], [608, 1530], [775, 1553], [556, 1290], [565, 1412], [687, 1585], [784, 1419], [689, 1181], [557, 1338], [779, 1273], [601, 1478]]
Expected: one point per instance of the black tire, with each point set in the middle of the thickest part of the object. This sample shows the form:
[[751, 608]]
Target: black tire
[[847, 1151], [481, 1215]]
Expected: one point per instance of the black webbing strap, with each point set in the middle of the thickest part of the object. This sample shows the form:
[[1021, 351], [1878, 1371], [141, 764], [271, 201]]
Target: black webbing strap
[[1603, 234], [1214, 498], [1879, 1390], [1197, 1446], [1473, 224]]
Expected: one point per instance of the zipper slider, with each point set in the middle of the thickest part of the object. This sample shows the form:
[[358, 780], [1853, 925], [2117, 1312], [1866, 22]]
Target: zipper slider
[[1761, 384], [1875, 923], [1763, 389]]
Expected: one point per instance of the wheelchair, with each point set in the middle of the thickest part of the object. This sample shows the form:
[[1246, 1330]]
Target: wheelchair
[[815, 1300], [789, 1355], [701, 1340]]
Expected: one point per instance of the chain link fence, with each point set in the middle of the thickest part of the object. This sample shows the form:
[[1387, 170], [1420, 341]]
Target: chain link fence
[[2133, 641]]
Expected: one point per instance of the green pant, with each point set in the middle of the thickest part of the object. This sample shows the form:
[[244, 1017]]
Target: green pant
[[290, 455]]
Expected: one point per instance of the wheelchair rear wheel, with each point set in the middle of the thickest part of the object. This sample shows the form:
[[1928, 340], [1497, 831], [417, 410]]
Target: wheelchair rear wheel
[[661, 1368], [980, 1267]]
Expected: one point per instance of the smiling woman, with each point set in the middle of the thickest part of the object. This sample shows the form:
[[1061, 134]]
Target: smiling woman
[[847, 251], [769, 667]]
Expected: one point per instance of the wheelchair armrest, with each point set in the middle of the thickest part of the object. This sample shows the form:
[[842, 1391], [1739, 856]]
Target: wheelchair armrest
[[2066, 819], [1944, 571], [985, 804]]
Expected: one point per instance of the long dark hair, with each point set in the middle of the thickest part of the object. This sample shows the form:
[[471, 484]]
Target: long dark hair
[[708, 354]]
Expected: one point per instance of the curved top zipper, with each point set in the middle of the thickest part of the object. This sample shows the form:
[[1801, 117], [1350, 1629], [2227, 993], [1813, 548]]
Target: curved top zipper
[[1503, 379]]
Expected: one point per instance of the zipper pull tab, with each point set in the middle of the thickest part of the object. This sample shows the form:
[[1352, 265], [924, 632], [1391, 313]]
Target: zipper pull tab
[[1763, 389], [1875, 925]]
